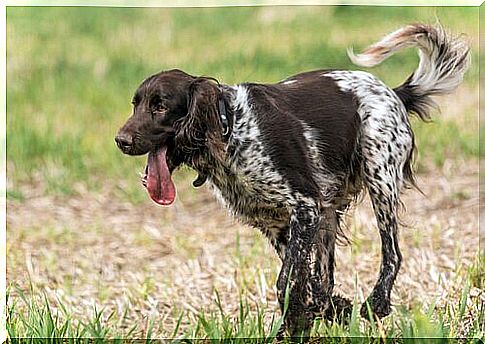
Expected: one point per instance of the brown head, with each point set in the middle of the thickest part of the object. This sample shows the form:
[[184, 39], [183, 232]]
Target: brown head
[[175, 120]]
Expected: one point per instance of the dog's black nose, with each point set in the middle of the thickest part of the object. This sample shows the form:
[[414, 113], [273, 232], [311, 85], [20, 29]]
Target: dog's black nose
[[124, 142]]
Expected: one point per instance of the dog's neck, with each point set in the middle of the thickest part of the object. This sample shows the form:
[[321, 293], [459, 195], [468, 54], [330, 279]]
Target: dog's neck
[[208, 164]]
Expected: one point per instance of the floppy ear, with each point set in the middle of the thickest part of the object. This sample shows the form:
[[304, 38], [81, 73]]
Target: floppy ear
[[201, 128]]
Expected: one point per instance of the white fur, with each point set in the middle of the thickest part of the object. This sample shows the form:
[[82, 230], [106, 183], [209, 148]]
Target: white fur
[[439, 71]]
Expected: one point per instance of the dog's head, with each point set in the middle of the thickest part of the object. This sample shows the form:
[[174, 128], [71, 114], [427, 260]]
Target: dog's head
[[175, 120]]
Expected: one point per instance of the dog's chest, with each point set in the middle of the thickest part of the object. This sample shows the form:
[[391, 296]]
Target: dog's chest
[[248, 182], [253, 192]]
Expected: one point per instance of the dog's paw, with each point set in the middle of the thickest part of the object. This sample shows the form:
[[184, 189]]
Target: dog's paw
[[339, 308], [299, 326], [380, 306]]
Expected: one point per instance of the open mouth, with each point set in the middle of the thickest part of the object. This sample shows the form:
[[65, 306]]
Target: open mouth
[[158, 178]]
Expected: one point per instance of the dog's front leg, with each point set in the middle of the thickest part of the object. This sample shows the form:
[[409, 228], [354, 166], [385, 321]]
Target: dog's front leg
[[321, 261], [302, 269]]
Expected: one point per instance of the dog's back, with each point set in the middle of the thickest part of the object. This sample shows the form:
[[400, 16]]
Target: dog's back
[[309, 127]]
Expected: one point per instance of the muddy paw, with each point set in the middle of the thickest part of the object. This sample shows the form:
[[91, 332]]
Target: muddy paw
[[299, 326], [380, 306], [339, 308]]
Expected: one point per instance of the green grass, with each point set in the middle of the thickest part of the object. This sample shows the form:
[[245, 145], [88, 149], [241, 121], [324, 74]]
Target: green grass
[[31, 317], [71, 73], [441, 139]]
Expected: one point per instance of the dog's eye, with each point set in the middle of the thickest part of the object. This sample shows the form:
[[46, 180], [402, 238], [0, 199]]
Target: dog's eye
[[159, 108]]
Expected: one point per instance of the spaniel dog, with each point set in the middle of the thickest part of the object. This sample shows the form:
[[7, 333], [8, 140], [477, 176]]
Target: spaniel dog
[[289, 158]]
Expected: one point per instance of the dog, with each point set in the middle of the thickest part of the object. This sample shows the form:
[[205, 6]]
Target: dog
[[290, 158]]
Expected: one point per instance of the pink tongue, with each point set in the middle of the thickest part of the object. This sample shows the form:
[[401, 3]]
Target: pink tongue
[[159, 181]]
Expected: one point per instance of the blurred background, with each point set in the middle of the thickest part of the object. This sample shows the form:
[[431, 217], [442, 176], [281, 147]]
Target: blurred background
[[81, 230]]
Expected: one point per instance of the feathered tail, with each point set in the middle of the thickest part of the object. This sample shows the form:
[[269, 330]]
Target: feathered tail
[[443, 61]]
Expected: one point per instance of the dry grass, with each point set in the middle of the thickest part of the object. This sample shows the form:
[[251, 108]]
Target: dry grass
[[143, 262]]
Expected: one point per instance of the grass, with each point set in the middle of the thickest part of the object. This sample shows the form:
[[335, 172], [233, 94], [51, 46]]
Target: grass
[[79, 267], [70, 80], [41, 319]]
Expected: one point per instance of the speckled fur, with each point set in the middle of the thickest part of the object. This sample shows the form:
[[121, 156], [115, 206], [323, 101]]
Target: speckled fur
[[252, 188], [387, 143]]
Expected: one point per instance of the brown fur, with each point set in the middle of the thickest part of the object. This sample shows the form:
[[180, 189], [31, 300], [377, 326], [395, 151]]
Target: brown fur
[[202, 129]]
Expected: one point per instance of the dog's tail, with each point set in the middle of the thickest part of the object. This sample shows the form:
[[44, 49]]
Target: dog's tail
[[443, 61]]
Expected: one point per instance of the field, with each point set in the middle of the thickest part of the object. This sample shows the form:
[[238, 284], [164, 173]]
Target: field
[[90, 256]]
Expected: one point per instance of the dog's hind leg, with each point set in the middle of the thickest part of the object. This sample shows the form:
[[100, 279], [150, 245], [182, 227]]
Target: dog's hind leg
[[385, 208], [385, 159]]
